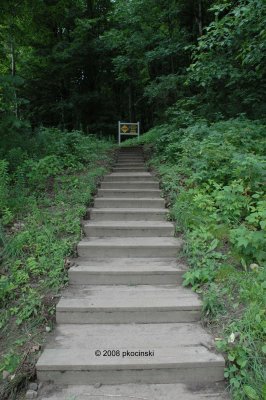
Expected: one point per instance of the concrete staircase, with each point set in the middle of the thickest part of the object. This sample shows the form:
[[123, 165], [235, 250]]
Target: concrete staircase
[[125, 318]]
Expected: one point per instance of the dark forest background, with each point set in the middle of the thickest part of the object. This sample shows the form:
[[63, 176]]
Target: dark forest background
[[85, 64]]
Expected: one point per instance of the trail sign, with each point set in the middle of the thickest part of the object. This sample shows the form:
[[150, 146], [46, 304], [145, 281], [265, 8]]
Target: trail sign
[[127, 128], [124, 128]]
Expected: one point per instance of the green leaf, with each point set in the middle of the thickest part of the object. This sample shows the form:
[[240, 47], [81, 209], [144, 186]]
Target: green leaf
[[241, 362], [264, 391], [250, 392]]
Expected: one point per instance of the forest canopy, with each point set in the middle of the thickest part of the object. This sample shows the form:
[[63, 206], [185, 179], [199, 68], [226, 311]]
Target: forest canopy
[[84, 64]]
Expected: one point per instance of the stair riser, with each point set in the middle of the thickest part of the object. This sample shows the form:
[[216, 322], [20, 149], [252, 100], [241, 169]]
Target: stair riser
[[195, 375], [127, 232], [127, 316], [125, 194], [124, 216], [112, 178], [126, 203], [85, 278], [126, 251], [129, 185]]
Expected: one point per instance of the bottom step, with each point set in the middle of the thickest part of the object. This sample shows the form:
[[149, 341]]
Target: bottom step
[[176, 391], [137, 353]]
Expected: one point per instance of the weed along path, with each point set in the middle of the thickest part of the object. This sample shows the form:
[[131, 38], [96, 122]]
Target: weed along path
[[126, 328]]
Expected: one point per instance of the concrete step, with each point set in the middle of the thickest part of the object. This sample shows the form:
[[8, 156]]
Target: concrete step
[[116, 202], [126, 271], [130, 185], [130, 153], [129, 177], [129, 169], [137, 148], [140, 162], [127, 304], [129, 193], [129, 247], [174, 353], [136, 391], [130, 159], [128, 214], [127, 164], [128, 228]]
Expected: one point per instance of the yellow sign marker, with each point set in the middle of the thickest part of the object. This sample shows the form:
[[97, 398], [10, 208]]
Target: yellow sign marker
[[124, 128]]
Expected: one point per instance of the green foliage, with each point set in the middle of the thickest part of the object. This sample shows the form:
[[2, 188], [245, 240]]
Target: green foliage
[[228, 62], [213, 175], [5, 213], [243, 345], [4, 184], [46, 197], [87, 64]]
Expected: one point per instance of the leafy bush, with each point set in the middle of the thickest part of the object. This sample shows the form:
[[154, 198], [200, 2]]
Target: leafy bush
[[213, 175]]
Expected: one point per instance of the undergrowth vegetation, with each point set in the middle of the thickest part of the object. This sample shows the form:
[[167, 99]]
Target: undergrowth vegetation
[[213, 175], [45, 188]]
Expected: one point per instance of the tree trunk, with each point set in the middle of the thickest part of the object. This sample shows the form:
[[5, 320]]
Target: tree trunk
[[13, 73], [131, 103], [13, 61], [200, 17]]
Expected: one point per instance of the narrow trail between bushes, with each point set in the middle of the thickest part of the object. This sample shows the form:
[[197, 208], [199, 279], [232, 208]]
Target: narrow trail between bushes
[[126, 328]]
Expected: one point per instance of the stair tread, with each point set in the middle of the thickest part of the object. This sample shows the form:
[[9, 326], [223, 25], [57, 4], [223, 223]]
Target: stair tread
[[130, 263], [133, 174], [133, 182], [130, 210], [131, 190], [141, 297], [131, 241], [175, 346], [136, 269], [130, 224], [129, 198]]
